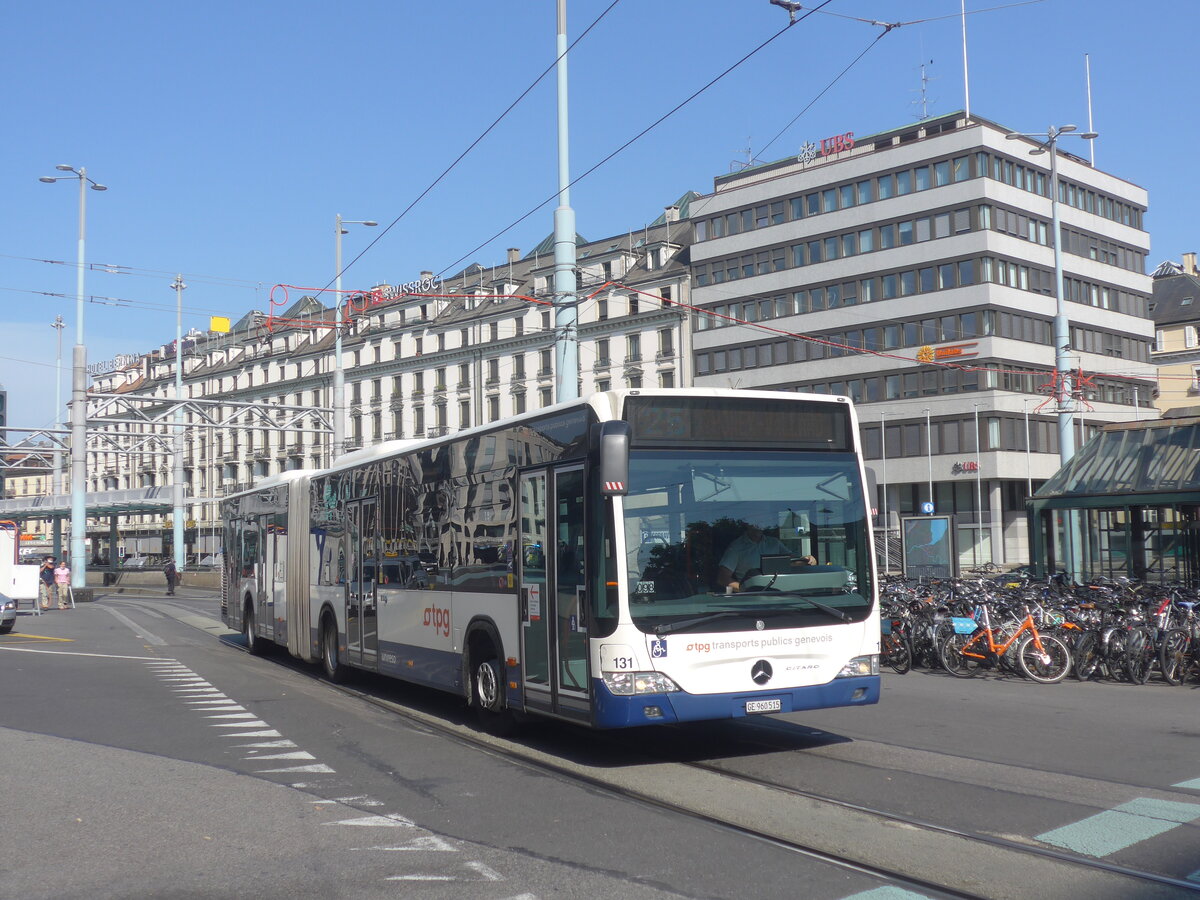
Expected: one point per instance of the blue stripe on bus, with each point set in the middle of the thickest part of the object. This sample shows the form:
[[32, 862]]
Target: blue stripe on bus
[[612, 711]]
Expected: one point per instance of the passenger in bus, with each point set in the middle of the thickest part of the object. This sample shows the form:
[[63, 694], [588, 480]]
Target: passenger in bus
[[743, 557]]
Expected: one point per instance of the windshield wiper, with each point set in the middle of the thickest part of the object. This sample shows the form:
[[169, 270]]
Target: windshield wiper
[[700, 620], [825, 608]]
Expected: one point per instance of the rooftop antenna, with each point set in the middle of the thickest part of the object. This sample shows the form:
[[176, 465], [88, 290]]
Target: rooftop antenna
[[737, 165], [925, 101]]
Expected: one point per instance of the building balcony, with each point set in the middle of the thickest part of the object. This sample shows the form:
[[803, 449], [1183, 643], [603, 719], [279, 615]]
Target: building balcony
[[464, 387], [545, 373], [602, 363]]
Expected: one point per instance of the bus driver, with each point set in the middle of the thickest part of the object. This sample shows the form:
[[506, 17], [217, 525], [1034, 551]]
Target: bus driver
[[744, 555]]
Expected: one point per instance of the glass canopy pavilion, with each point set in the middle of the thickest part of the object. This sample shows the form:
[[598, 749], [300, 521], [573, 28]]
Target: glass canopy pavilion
[[1133, 493]]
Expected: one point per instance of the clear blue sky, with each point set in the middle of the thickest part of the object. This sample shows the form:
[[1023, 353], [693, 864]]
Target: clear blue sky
[[231, 133]]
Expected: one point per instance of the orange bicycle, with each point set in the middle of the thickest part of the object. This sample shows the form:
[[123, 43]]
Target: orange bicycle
[[1040, 657]]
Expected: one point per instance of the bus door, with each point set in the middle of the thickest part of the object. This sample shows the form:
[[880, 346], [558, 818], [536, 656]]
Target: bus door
[[553, 603], [362, 567]]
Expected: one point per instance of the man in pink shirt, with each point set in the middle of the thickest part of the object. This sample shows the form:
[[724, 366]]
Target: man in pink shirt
[[62, 583]]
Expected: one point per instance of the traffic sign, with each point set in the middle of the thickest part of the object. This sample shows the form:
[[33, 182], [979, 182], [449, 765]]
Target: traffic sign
[[927, 508]]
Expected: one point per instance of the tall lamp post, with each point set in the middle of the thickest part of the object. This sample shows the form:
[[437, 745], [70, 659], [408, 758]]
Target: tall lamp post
[[78, 388], [339, 373], [1047, 142], [177, 520], [58, 488]]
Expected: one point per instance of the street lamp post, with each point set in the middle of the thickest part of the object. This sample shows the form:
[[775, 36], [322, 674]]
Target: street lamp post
[[58, 488], [177, 522], [978, 487], [339, 372], [78, 388], [1028, 464], [929, 453], [883, 453], [1047, 142]]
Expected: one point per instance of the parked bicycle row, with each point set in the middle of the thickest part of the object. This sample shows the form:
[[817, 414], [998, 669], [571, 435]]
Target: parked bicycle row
[[1116, 630]]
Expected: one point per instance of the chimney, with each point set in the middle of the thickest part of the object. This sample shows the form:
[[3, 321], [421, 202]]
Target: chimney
[[514, 254], [1189, 264], [672, 213], [425, 275]]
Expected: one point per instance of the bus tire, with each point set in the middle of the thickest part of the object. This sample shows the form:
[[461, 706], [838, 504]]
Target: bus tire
[[254, 643], [331, 661], [486, 692]]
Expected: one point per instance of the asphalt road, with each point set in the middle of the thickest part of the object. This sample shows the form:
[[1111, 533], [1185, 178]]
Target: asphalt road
[[148, 755]]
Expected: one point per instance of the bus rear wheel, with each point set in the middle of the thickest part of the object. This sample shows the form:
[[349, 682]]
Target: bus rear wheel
[[254, 643], [331, 661]]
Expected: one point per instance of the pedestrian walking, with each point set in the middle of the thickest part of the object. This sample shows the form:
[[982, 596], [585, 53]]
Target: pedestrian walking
[[62, 584], [46, 582], [172, 575]]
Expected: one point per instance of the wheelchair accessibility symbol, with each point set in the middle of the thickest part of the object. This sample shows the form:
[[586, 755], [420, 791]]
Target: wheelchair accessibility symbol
[[658, 649]]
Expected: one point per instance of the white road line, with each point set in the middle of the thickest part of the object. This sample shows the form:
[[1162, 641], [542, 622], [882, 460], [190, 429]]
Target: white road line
[[429, 842], [298, 754], [69, 653], [271, 744], [234, 715], [383, 821], [270, 732], [318, 768], [206, 705], [255, 724], [141, 632], [363, 800], [488, 874]]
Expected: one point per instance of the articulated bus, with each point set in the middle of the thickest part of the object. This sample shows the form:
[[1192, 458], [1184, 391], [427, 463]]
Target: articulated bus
[[568, 562]]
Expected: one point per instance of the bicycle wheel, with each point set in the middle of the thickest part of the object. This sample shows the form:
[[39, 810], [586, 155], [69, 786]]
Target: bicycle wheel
[[896, 652], [1048, 665], [953, 660], [1139, 655], [1173, 656], [1087, 655]]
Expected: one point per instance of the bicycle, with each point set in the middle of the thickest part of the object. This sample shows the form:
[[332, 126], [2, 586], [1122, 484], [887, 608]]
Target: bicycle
[[1040, 657]]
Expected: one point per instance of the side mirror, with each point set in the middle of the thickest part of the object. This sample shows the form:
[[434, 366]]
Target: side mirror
[[611, 445]]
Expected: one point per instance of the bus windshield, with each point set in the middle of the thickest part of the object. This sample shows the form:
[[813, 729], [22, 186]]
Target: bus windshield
[[715, 537]]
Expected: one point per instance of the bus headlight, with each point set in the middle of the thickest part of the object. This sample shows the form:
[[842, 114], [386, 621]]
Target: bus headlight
[[860, 665], [627, 684]]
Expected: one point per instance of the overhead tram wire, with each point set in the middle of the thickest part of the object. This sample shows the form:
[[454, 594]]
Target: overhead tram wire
[[118, 269], [473, 145], [890, 25], [636, 137], [825, 89]]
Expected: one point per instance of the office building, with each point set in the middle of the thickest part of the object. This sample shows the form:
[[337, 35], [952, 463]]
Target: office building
[[914, 271]]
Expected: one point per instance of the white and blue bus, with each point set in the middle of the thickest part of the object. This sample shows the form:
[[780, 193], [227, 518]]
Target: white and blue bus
[[567, 562]]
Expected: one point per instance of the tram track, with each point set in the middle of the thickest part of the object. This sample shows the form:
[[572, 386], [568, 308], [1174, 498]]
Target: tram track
[[922, 856], [818, 826]]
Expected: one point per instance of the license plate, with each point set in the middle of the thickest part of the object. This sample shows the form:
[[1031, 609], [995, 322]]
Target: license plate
[[764, 706]]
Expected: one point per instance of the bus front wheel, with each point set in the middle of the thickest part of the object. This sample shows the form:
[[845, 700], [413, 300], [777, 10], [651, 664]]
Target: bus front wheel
[[487, 691]]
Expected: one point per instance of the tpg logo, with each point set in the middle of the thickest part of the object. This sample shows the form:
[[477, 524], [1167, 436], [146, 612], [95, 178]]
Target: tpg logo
[[439, 619]]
